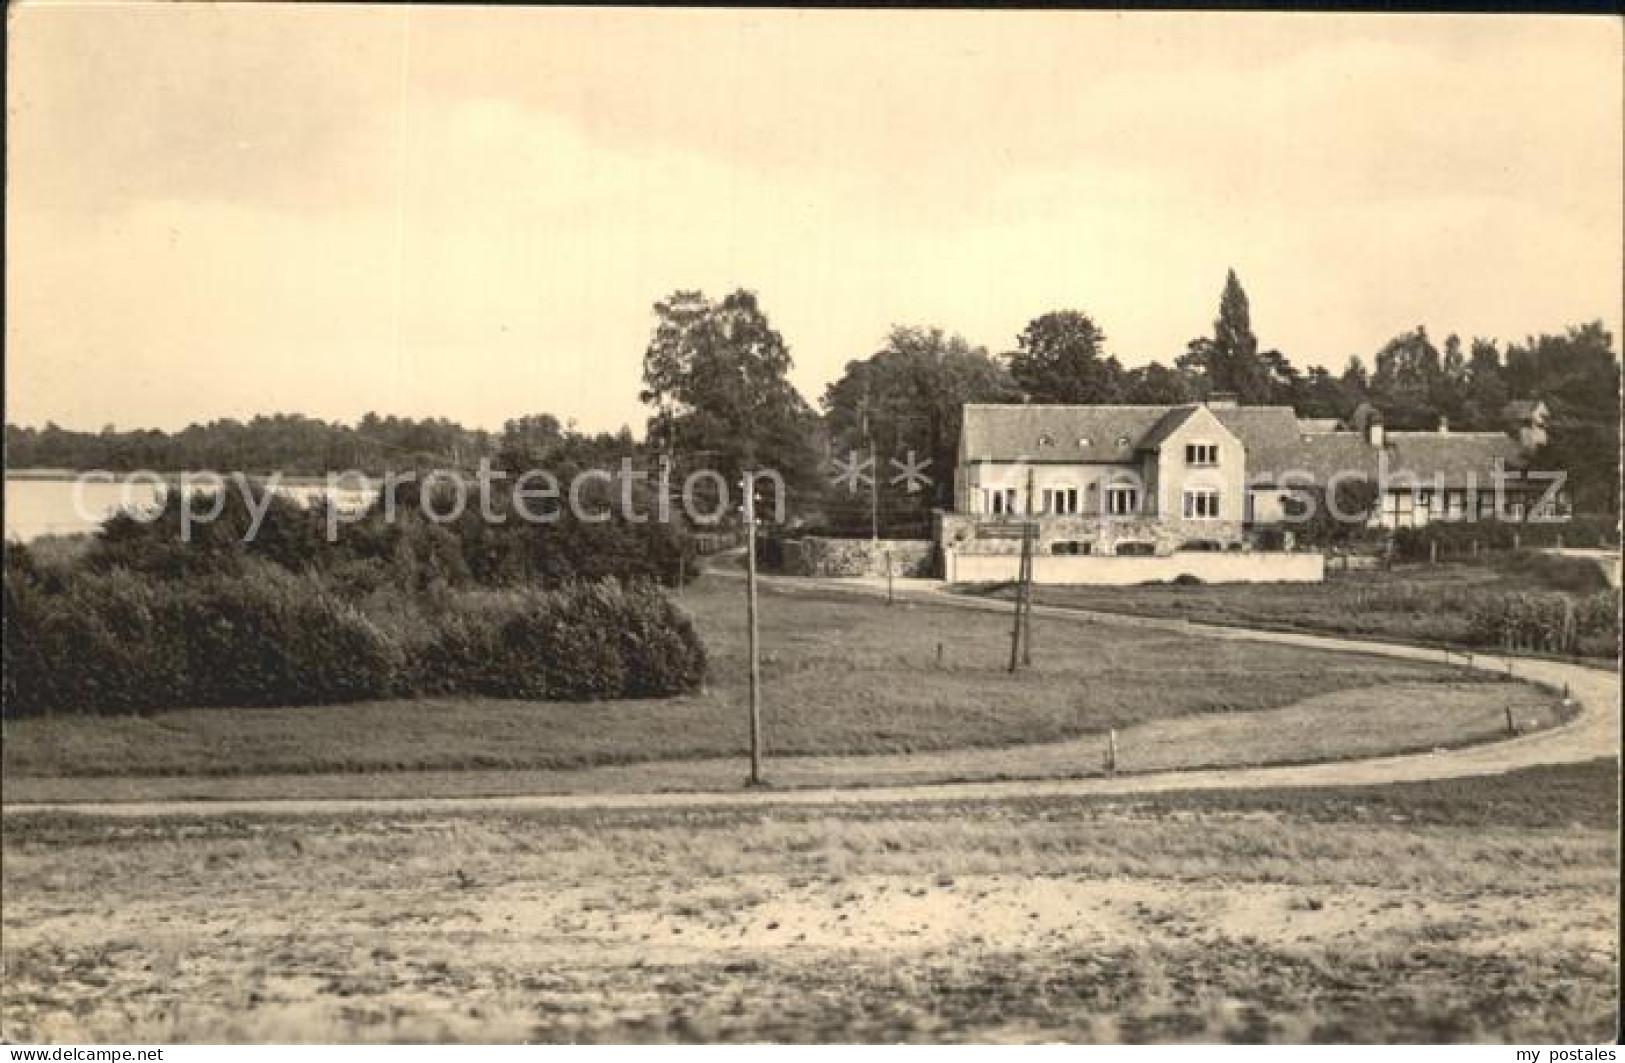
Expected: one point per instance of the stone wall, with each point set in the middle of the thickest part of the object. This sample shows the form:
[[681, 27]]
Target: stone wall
[[968, 534], [823, 557], [1226, 567]]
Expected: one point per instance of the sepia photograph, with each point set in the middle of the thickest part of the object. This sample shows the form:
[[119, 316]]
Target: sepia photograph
[[535, 525]]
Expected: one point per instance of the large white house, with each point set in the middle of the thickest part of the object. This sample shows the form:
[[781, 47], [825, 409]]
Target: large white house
[[1135, 480]]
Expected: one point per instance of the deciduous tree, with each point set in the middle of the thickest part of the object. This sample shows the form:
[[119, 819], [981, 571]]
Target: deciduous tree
[[718, 376], [1059, 357]]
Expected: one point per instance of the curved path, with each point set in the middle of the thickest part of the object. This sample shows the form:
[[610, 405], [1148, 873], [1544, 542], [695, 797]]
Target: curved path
[[1593, 732]]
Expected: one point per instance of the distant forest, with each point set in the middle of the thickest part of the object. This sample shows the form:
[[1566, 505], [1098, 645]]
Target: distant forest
[[286, 442]]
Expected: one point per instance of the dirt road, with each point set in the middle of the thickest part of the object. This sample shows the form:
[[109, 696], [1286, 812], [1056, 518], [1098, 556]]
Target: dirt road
[[1594, 732]]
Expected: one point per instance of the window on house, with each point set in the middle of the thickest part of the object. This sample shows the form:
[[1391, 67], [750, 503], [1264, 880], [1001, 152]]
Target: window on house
[[1068, 547], [1486, 503], [1559, 508], [1455, 504], [1122, 501], [1201, 454], [1001, 501], [1201, 505], [1061, 501], [1135, 549]]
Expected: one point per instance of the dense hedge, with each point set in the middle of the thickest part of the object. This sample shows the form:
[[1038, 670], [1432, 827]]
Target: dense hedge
[[1547, 622], [118, 641], [582, 642], [402, 546], [1457, 539]]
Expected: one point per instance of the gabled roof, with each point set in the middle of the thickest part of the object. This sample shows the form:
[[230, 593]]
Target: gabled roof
[[1428, 459], [1317, 457], [1171, 422], [1086, 434], [1276, 442], [1110, 434], [1453, 457], [1269, 433]]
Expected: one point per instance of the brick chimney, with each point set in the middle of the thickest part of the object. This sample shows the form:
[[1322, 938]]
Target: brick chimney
[[1375, 434]]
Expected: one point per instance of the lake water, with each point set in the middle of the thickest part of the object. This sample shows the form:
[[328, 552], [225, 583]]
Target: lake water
[[65, 506]]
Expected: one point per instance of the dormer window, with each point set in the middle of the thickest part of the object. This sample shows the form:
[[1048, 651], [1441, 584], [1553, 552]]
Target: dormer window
[[1046, 440], [1122, 442], [1083, 441], [1201, 455]]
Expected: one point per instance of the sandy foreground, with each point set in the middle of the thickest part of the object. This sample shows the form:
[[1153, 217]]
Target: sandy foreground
[[1038, 921]]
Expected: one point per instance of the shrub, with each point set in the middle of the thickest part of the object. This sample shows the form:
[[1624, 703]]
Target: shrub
[[273, 638], [1549, 622], [662, 648], [87, 644], [582, 642], [466, 652], [570, 637], [470, 550], [1314, 523], [1456, 539], [115, 640]]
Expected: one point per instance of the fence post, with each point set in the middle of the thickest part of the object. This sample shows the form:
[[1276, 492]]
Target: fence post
[[939, 656], [1433, 551], [1475, 549], [1111, 750], [1512, 726]]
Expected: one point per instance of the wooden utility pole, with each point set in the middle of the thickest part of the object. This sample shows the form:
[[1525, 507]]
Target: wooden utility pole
[[750, 619], [1030, 538], [874, 494], [889, 598], [1021, 634], [874, 469], [1015, 631]]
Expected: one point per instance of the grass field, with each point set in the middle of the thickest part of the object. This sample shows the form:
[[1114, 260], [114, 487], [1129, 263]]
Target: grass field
[[1421, 603], [1478, 909], [842, 676]]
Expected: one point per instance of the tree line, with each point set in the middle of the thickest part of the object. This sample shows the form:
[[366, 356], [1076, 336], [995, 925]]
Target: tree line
[[716, 377], [909, 393]]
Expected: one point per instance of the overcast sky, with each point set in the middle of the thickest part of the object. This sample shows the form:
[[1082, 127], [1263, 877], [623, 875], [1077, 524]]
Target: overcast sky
[[227, 210]]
